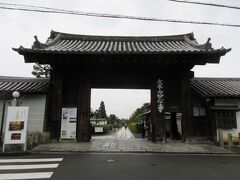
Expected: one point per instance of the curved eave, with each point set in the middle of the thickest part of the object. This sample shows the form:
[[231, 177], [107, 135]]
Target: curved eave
[[24, 51]]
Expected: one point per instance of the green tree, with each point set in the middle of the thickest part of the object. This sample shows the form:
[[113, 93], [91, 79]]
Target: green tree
[[41, 70], [114, 120], [91, 112], [144, 108], [101, 112]]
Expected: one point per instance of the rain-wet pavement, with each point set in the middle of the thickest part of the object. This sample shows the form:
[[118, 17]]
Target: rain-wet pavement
[[124, 141]]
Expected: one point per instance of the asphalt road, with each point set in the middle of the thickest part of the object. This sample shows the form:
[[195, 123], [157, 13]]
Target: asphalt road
[[124, 167]]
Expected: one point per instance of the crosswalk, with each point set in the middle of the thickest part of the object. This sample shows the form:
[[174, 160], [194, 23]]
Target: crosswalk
[[28, 168]]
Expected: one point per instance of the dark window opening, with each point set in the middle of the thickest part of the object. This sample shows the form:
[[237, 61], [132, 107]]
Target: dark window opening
[[226, 119]]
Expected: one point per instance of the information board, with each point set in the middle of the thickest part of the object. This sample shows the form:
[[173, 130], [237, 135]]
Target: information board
[[68, 123], [16, 125], [98, 129]]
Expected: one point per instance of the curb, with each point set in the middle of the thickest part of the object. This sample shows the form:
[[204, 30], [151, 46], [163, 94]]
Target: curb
[[136, 152], [15, 153]]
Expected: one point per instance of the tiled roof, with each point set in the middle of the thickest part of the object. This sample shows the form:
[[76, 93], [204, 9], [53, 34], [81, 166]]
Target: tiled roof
[[85, 44], [217, 87], [10, 84]]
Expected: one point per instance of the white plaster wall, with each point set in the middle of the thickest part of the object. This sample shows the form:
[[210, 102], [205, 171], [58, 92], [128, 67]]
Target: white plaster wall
[[36, 104], [234, 133], [238, 120], [36, 114]]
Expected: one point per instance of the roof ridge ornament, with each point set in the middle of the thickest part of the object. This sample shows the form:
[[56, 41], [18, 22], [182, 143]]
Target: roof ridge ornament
[[37, 44], [206, 46]]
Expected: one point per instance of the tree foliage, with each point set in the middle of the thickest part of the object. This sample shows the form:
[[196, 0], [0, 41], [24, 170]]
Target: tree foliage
[[143, 109], [101, 112], [114, 120], [41, 70]]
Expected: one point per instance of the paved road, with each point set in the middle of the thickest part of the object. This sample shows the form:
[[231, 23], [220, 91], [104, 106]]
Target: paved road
[[122, 166], [120, 134], [123, 141], [124, 133]]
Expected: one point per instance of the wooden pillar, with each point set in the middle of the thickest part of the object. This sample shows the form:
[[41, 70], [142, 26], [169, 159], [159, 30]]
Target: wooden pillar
[[55, 101], [153, 107], [158, 129], [83, 121], [187, 124], [213, 125], [3, 113]]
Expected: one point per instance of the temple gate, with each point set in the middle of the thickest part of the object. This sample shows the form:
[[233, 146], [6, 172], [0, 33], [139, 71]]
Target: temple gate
[[82, 62]]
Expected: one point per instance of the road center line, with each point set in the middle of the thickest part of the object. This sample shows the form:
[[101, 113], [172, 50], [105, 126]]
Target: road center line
[[31, 166], [30, 160]]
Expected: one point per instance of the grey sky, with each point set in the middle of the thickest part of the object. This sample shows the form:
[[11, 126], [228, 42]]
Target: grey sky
[[18, 28]]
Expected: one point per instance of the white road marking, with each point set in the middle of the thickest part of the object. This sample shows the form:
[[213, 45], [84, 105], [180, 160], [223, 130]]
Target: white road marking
[[30, 160], [32, 166], [36, 175]]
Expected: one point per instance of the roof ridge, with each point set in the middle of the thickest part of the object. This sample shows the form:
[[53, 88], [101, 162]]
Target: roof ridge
[[54, 34]]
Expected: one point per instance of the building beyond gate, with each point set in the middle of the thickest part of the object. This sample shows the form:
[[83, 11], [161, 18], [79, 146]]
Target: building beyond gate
[[160, 63]]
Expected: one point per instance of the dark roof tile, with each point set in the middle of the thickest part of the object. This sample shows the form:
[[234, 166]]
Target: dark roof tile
[[87, 44], [217, 87], [22, 84]]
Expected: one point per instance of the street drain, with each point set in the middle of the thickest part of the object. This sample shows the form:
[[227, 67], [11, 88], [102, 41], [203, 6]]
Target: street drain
[[110, 160]]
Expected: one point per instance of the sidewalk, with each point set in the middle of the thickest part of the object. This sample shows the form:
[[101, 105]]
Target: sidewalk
[[123, 141]]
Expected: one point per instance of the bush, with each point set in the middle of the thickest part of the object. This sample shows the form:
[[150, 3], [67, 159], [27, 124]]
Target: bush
[[135, 127]]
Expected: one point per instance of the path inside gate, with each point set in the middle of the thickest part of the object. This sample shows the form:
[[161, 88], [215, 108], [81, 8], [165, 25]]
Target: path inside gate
[[123, 141]]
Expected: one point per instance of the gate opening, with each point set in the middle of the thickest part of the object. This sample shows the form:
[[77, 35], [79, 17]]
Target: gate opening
[[120, 106]]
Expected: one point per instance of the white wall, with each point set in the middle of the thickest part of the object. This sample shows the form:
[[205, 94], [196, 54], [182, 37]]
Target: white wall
[[36, 114], [36, 104], [238, 120]]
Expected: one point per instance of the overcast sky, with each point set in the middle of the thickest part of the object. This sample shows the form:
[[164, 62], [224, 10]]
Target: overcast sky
[[18, 28]]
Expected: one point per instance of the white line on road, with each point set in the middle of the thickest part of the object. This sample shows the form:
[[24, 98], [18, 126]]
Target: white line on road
[[37, 175], [32, 166], [30, 160]]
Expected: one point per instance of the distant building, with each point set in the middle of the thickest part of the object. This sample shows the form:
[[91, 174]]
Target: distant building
[[98, 121]]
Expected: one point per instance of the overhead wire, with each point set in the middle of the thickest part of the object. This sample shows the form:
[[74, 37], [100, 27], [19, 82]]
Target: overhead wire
[[41, 9], [205, 4]]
